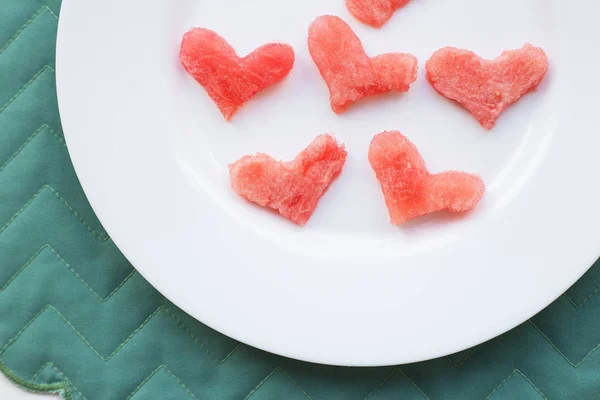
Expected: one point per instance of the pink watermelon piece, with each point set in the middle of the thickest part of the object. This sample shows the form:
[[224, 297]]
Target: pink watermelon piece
[[349, 73], [228, 79], [374, 12], [291, 188], [486, 87], [409, 189]]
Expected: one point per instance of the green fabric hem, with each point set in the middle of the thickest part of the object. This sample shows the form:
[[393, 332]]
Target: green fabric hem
[[60, 388]]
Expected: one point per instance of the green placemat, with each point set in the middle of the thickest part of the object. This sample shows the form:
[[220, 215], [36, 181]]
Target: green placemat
[[75, 317]]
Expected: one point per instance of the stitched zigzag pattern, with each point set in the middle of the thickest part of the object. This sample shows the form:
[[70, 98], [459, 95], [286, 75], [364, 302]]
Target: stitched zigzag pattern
[[76, 318]]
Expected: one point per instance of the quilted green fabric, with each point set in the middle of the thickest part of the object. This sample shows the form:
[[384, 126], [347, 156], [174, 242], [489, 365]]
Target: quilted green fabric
[[76, 318]]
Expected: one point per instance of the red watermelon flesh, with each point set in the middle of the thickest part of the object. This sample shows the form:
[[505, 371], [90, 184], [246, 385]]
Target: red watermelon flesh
[[486, 87], [409, 189], [292, 188], [349, 73], [374, 12], [228, 79]]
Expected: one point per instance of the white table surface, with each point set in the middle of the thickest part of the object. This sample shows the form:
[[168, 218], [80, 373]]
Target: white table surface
[[9, 391]]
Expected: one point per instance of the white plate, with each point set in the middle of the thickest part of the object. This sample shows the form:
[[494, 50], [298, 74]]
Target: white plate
[[151, 151]]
